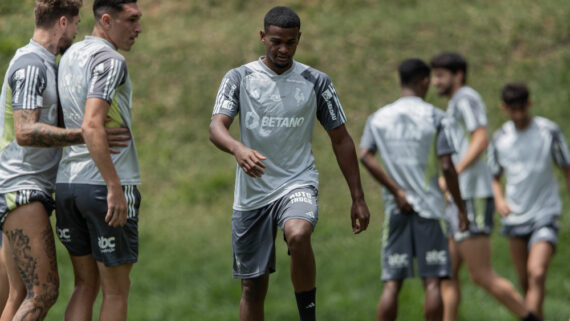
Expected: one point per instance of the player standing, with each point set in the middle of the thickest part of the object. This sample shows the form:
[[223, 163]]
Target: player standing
[[411, 136], [29, 155], [96, 197], [525, 149], [473, 246], [276, 180]]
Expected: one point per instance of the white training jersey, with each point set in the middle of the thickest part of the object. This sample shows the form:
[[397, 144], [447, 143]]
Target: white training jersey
[[409, 135], [30, 83], [527, 158], [277, 116], [93, 68], [468, 110]]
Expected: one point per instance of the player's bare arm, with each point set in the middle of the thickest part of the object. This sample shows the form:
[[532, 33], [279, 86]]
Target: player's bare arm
[[249, 160], [478, 144], [369, 161], [345, 153], [31, 132], [566, 171], [500, 201], [452, 182], [93, 129]]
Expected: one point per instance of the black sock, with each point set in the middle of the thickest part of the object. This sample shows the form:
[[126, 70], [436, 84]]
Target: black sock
[[531, 317], [306, 304]]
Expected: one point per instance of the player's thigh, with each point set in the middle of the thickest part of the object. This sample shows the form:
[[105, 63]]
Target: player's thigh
[[253, 243], [518, 246], [455, 256], [85, 270], [297, 208], [397, 247], [431, 248], [476, 252], [539, 258]]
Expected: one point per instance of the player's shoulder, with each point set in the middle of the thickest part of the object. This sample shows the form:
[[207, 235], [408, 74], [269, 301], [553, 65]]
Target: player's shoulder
[[25, 59], [467, 93], [506, 130], [237, 73], [546, 124]]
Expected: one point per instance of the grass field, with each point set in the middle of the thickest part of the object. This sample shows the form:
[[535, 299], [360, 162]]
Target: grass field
[[184, 269]]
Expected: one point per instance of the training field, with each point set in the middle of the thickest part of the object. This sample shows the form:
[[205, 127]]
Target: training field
[[184, 269]]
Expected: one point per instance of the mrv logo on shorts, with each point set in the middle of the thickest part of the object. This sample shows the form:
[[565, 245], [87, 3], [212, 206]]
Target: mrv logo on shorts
[[106, 244]]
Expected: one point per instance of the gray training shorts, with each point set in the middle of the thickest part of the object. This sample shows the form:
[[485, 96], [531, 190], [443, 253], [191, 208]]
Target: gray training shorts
[[545, 230], [81, 226], [407, 236], [480, 214], [253, 232]]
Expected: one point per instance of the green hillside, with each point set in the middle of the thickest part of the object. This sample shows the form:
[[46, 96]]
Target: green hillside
[[184, 269]]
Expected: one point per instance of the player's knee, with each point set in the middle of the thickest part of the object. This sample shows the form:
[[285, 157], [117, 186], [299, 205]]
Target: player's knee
[[537, 275], [298, 238], [479, 279], [433, 311], [252, 291]]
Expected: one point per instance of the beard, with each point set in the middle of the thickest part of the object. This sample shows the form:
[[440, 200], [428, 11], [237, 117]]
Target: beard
[[446, 91], [63, 45]]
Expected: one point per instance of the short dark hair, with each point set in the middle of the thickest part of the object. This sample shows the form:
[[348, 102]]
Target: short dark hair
[[101, 7], [451, 61], [412, 71], [47, 12], [282, 17], [515, 95]]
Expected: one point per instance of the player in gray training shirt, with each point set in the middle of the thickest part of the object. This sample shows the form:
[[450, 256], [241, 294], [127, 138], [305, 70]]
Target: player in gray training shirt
[[96, 197], [525, 149], [277, 99], [473, 246], [411, 136], [29, 152]]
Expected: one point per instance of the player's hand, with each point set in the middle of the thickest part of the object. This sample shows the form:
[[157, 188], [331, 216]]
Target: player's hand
[[442, 184], [250, 161], [117, 137], [402, 202], [117, 207], [463, 221], [359, 215], [502, 207]]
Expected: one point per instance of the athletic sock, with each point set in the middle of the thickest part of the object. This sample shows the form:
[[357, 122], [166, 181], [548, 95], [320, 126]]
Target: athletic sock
[[531, 317], [306, 305]]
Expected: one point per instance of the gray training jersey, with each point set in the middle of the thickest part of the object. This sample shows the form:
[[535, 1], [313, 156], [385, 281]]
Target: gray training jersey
[[92, 68], [409, 135], [30, 84], [468, 109], [277, 116], [527, 158]]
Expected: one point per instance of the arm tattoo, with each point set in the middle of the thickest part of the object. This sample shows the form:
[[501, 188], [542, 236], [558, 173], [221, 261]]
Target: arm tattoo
[[31, 132]]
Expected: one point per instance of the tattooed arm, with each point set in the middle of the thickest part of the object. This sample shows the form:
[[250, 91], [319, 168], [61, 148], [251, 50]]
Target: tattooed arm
[[31, 132]]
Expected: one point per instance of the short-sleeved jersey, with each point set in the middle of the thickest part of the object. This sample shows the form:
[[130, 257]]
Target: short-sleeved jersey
[[468, 110], [527, 158], [92, 68], [409, 135], [277, 116], [30, 83]]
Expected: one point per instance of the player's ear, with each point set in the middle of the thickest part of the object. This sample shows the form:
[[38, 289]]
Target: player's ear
[[106, 20], [529, 104], [503, 107], [262, 36]]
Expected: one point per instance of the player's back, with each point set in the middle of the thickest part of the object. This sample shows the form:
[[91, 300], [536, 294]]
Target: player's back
[[406, 134]]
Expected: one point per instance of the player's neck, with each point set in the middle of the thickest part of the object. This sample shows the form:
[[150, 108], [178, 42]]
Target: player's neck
[[455, 89], [409, 92], [100, 33], [47, 39]]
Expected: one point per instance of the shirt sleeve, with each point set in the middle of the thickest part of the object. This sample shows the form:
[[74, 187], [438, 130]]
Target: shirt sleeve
[[473, 113], [107, 73], [28, 83], [227, 100], [367, 140], [493, 158], [329, 110], [559, 149], [443, 141]]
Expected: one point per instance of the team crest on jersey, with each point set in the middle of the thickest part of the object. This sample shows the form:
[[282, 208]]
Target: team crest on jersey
[[299, 95]]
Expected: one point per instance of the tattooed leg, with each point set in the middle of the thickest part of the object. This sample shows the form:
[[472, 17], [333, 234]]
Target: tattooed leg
[[17, 291], [4, 286], [33, 250]]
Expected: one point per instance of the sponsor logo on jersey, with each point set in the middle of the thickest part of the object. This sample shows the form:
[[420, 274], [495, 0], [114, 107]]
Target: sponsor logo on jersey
[[435, 257], [398, 261], [106, 244], [301, 197], [63, 234], [253, 121], [299, 95], [328, 95]]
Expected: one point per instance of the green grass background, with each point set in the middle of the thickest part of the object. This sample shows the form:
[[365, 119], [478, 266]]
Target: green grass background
[[184, 269]]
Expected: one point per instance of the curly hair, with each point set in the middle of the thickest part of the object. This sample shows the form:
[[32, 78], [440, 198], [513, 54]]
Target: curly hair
[[47, 12]]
